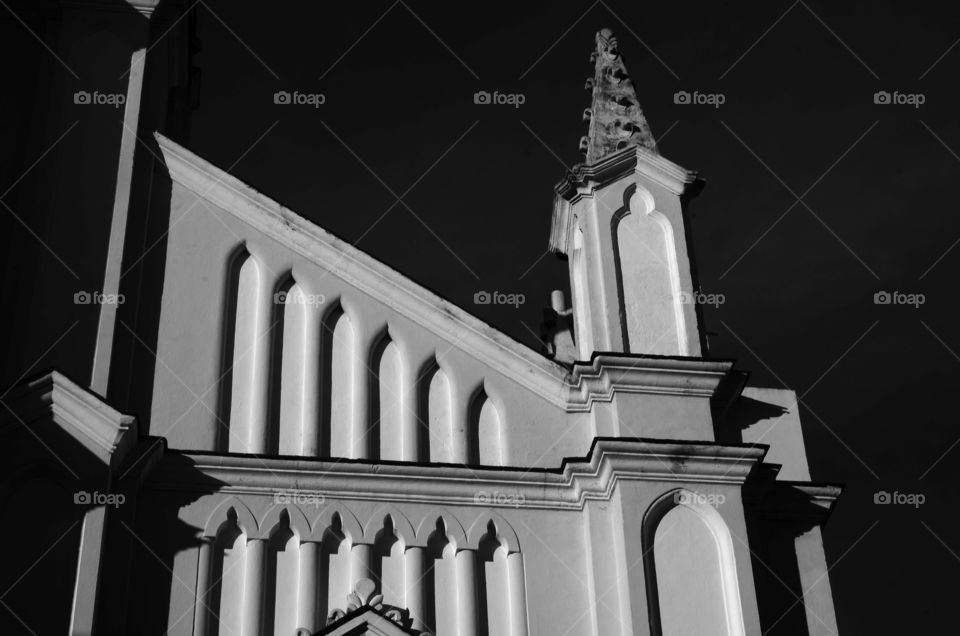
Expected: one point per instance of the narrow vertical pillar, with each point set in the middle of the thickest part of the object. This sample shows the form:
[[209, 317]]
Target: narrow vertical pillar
[[201, 611], [817, 596], [460, 437], [362, 566], [310, 390], [89, 562], [106, 326], [252, 610], [307, 593], [409, 423], [414, 586], [251, 360], [517, 595], [359, 437], [466, 593], [261, 350]]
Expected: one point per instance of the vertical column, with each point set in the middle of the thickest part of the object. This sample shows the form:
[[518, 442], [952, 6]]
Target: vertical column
[[409, 423], [118, 225], [307, 593], [817, 596], [362, 566], [460, 430], [251, 361], [517, 595], [253, 588], [466, 593], [259, 439], [414, 586], [201, 611], [359, 438], [310, 390], [89, 564]]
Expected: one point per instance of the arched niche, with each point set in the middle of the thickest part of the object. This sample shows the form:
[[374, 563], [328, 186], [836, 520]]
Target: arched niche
[[440, 580], [224, 604], [441, 518], [486, 443], [334, 514], [580, 297], [339, 357], [388, 563], [493, 584], [435, 412], [335, 531], [231, 507], [385, 377], [235, 261], [289, 386], [505, 533], [295, 519], [248, 390], [400, 522], [281, 577], [648, 280], [690, 568]]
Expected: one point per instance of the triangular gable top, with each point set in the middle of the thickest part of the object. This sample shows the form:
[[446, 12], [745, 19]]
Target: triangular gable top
[[503, 354], [363, 622]]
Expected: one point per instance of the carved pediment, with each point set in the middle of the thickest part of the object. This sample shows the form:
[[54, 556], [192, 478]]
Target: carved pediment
[[365, 613]]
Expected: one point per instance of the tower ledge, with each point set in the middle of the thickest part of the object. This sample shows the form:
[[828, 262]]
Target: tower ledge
[[585, 178]]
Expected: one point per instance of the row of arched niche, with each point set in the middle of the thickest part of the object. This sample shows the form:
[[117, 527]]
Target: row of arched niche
[[286, 573], [300, 378]]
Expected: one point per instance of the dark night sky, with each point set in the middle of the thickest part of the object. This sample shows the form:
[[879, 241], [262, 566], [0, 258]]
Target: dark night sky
[[798, 277]]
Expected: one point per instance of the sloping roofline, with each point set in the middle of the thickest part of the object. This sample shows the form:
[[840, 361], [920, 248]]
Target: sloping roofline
[[502, 353]]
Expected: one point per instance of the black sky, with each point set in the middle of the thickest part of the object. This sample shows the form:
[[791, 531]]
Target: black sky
[[799, 120]]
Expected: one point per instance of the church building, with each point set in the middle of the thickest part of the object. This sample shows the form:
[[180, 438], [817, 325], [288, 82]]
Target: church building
[[319, 445]]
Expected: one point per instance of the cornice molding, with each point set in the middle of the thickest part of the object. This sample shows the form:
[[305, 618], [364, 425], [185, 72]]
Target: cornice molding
[[585, 179], [608, 373], [803, 502], [84, 415], [567, 488]]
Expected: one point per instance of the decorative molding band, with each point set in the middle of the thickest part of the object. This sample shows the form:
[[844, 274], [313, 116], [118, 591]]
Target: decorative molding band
[[566, 488], [84, 415], [584, 180], [608, 373]]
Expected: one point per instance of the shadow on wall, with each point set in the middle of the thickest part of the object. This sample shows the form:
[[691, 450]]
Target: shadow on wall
[[742, 415], [145, 542], [778, 519], [42, 528], [69, 462]]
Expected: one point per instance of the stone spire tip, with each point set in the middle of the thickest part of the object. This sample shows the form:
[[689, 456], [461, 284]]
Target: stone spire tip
[[615, 118]]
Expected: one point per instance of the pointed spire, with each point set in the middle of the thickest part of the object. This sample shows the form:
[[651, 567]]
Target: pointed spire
[[616, 119]]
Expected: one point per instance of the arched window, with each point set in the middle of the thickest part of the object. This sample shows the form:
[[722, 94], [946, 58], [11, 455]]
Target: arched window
[[690, 568]]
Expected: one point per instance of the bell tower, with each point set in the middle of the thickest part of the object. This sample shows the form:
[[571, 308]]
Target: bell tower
[[619, 217]]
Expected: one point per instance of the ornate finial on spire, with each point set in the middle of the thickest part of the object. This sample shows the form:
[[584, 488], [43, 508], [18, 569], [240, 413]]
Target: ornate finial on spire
[[616, 120]]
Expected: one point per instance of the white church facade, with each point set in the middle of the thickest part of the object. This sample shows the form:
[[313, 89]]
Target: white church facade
[[331, 448]]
